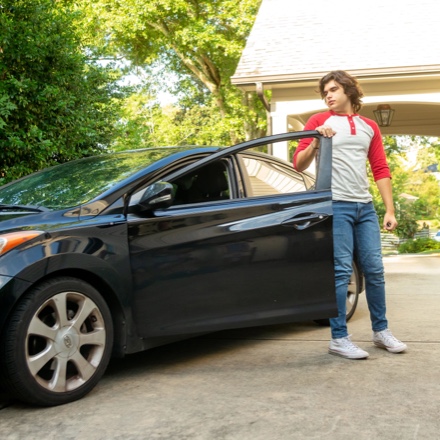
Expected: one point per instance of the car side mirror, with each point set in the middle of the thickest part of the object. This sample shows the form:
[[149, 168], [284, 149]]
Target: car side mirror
[[158, 195]]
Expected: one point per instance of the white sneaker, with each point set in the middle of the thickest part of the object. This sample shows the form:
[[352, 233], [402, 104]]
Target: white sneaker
[[385, 339], [345, 348]]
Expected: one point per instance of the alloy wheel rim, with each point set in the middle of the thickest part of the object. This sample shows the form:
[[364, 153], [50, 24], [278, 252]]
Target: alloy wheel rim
[[65, 342]]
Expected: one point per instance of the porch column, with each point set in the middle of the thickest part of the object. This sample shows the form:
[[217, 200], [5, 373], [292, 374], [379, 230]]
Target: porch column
[[278, 126]]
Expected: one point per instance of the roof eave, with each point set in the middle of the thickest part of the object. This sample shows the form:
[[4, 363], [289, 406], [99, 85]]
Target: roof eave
[[300, 79]]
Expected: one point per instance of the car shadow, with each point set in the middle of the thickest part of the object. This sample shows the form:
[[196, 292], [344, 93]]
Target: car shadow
[[194, 353], [200, 348]]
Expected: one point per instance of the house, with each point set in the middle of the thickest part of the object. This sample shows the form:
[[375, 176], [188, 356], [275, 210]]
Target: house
[[392, 47]]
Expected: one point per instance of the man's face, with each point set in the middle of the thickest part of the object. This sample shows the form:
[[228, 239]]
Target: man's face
[[336, 99]]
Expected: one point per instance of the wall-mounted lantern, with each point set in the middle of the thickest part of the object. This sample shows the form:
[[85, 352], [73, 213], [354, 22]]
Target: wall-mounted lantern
[[384, 115]]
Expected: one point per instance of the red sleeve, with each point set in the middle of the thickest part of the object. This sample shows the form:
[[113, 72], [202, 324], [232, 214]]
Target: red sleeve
[[376, 153], [313, 122]]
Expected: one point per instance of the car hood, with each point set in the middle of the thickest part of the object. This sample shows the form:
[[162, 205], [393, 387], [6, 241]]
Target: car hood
[[42, 221]]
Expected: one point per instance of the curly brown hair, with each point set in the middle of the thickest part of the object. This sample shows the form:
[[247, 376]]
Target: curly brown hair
[[349, 83]]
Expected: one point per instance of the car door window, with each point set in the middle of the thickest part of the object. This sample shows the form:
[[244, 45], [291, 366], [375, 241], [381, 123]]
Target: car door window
[[209, 183], [270, 177], [206, 184]]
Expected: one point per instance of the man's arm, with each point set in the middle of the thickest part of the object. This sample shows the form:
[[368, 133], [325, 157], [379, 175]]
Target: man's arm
[[305, 157], [386, 192]]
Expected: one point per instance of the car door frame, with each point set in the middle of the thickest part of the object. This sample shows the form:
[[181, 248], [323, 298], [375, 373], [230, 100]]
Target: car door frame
[[322, 190], [323, 159]]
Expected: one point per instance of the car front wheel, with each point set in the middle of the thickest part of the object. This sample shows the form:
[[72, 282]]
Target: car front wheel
[[57, 344]]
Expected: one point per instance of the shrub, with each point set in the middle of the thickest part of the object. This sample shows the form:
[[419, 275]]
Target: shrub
[[418, 245], [56, 102]]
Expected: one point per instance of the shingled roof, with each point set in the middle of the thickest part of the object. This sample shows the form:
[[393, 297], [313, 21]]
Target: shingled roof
[[297, 40]]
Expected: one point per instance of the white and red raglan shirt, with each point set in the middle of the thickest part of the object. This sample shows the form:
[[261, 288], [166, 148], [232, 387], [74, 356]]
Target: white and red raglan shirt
[[357, 139]]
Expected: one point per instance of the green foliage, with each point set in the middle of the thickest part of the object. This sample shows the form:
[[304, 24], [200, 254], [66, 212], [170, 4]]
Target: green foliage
[[418, 245], [406, 216], [199, 42], [410, 179], [146, 124], [55, 105], [435, 145]]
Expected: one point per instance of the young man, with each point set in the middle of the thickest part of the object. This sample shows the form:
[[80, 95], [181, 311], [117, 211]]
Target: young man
[[356, 139]]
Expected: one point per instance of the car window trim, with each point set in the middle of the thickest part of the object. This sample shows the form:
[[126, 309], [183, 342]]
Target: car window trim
[[323, 168]]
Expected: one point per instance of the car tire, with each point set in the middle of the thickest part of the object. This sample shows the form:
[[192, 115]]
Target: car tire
[[354, 289], [57, 343]]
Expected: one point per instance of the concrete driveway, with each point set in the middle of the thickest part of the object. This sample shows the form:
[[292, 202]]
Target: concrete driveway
[[269, 382]]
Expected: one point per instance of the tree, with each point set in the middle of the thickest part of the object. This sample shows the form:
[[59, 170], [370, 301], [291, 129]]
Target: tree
[[146, 123], [410, 177], [199, 41], [55, 105]]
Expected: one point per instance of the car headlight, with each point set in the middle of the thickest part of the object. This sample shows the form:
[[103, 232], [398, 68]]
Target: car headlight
[[14, 239]]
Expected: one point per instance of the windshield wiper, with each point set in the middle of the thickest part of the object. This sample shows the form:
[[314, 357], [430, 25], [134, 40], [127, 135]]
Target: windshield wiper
[[23, 208]]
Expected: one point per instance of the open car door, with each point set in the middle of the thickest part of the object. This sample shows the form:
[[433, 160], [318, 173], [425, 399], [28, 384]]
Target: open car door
[[240, 258]]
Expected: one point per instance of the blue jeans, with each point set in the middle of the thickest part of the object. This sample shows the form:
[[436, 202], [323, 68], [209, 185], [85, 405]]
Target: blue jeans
[[356, 229]]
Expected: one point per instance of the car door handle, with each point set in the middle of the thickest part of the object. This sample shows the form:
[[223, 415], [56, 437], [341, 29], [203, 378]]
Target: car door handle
[[304, 221]]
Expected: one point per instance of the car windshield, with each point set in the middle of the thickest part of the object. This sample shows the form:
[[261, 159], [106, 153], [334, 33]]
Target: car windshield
[[79, 181]]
